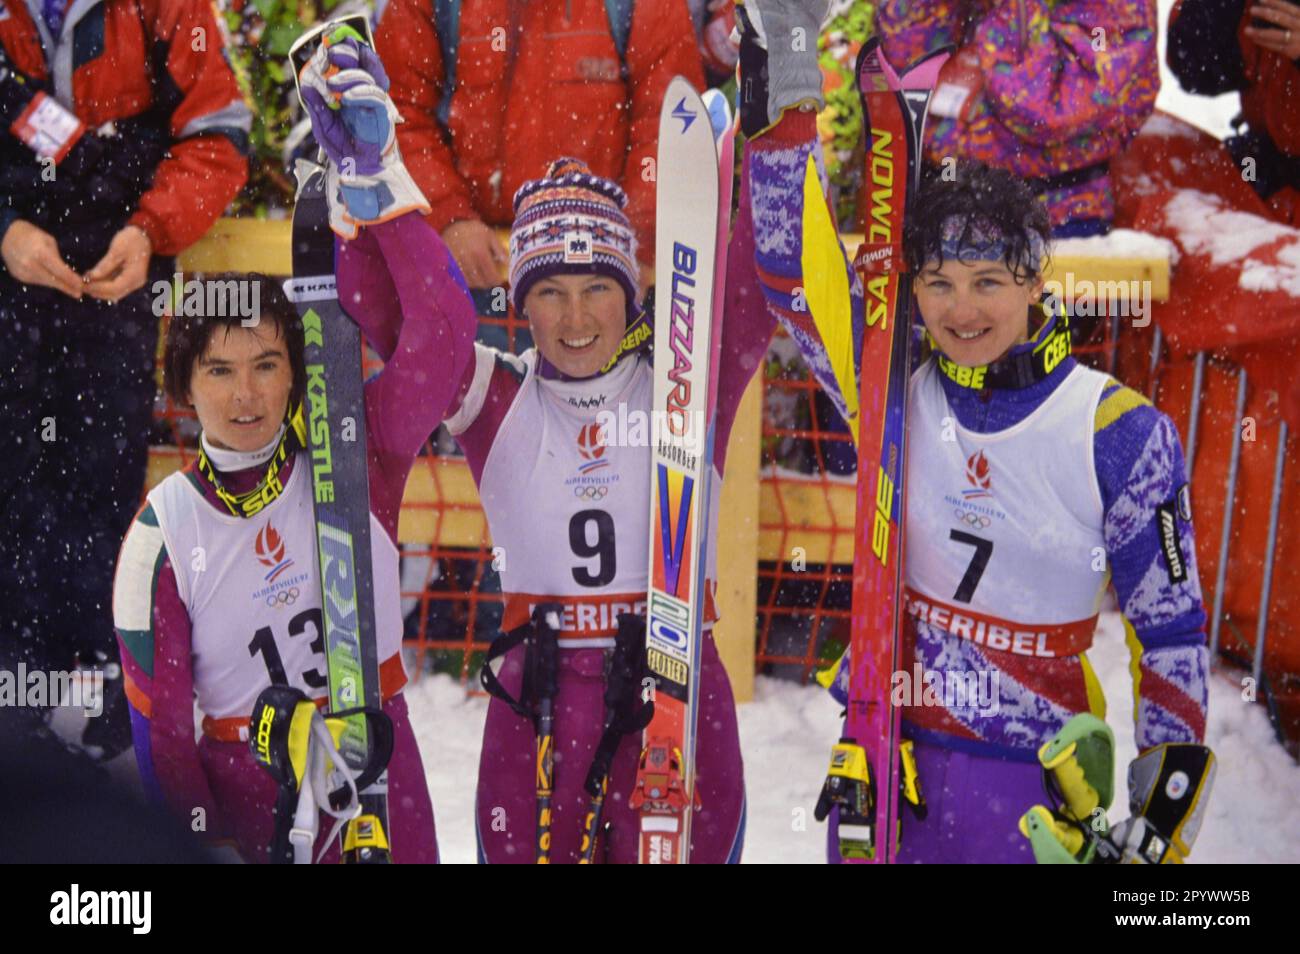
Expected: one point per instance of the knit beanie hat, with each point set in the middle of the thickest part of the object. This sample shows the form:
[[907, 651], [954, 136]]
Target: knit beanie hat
[[572, 221]]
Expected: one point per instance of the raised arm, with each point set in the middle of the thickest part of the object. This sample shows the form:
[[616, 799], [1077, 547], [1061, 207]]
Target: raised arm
[[806, 278], [396, 278], [400, 284], [747, 324], [776, 164]]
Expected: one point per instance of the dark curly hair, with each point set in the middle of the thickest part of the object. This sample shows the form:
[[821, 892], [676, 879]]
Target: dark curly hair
[[979, 193]]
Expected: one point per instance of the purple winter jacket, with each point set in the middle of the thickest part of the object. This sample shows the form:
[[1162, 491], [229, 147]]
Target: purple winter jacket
[[1056, 89]]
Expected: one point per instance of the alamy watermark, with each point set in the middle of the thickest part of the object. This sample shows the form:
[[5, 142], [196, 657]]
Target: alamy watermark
[[209, 298], [1088, 299], [75, 906], [637, 428], [968, 690], [41, 689]]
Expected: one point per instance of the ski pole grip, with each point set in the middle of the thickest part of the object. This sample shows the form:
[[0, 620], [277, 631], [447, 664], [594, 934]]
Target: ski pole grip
[[546, 649]]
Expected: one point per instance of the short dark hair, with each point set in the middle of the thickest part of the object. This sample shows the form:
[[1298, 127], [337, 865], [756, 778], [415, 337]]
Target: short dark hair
[[976, 192], [188, 334]]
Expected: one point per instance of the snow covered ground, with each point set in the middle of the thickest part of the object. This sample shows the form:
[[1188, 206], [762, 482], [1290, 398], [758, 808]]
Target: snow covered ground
[[786, 734], [787, 731]]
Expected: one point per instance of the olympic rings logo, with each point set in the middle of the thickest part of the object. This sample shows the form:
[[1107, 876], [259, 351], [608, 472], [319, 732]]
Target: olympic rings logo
[[590, 492], [976, 521], [283, 598]]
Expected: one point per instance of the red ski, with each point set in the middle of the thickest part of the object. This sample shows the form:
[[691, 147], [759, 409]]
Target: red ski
[[862, 789]]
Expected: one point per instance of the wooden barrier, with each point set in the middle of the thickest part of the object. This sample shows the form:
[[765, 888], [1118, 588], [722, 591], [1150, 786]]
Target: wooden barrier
[[242, 245]]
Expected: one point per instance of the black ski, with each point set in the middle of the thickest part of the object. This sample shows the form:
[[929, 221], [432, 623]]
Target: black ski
[[336, 427]]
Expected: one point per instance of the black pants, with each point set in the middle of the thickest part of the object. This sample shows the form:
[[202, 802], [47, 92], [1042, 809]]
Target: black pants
[[76, 402]]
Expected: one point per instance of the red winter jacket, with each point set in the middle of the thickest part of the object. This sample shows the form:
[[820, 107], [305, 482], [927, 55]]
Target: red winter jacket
[[554, 91], [1271, 102], [1269, 82], [1272, 99], [1035, 91], [99, 69]]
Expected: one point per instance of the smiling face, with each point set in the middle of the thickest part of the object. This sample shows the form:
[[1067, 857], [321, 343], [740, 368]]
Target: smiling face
[[240, 386], [577, 321], [975, 311]]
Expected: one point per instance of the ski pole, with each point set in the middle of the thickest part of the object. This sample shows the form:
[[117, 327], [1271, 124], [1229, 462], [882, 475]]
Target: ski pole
[[1198, 381], [536, 701], [1156, 341], [591, 822], [1229, 504], [622, 716], [1114, 342], [547, 649], [1266, 588]]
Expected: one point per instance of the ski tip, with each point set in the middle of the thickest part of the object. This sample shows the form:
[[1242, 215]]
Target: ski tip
[[681, 106], [679, 85], [877, 74], [924, 74]]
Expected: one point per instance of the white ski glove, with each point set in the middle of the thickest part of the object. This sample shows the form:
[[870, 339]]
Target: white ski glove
[[344, 86]]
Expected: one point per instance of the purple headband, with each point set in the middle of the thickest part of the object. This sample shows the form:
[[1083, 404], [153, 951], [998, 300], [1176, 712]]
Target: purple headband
[[979, 240]]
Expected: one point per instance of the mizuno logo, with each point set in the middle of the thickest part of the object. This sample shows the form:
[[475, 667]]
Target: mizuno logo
[[1169, 542]]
